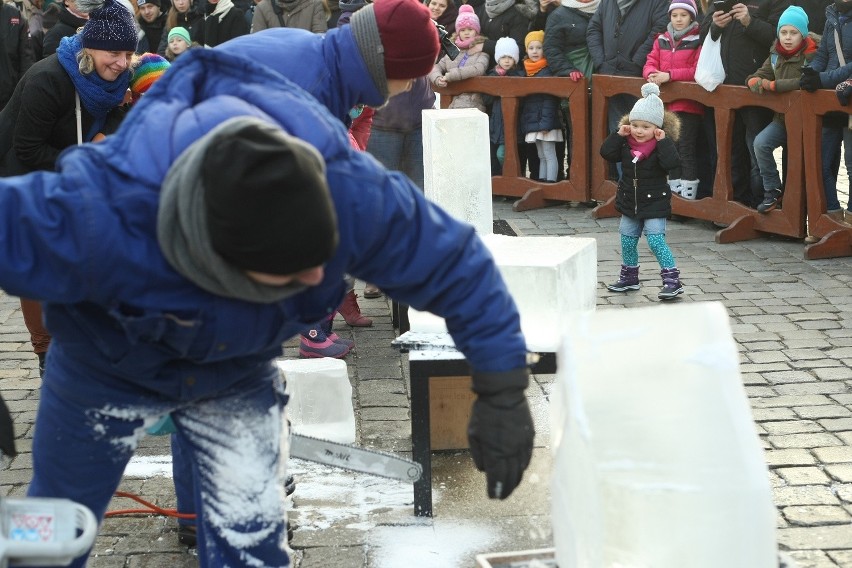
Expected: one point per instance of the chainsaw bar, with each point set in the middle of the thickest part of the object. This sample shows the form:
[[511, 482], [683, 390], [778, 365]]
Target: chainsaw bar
[[363, 460]]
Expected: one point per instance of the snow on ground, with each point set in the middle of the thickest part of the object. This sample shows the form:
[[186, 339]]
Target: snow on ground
[[328, 497]]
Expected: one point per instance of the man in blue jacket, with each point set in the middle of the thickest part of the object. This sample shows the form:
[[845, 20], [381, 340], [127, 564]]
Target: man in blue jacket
[[172, 278]]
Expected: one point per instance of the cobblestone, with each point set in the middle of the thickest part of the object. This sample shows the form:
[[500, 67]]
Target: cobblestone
[[792, 321]]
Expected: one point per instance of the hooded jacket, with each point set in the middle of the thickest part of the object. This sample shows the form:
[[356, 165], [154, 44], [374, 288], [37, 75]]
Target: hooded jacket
[[826, 60], [463, 67], [643, 191], [329, 66], [678, 58], [84, 242], [785, 71]]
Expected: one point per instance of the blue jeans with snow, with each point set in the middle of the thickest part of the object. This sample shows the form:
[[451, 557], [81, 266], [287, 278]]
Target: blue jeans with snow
[[87, 431], [765, 143]]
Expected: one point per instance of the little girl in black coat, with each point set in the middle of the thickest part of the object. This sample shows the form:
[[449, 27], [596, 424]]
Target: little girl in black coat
[[644, 144], [540, 121]]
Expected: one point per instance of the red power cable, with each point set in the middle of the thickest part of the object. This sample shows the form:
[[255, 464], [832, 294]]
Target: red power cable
[[150, 508]]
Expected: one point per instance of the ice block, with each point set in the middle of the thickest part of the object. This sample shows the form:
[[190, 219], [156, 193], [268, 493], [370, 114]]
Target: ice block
[[457, 168], [656, 459], [549, 278], [320, 403]]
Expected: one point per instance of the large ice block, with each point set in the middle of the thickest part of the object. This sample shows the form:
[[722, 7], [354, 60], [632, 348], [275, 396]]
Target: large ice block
[[549, 278], [457, 166], [656, 459], [320, 403]]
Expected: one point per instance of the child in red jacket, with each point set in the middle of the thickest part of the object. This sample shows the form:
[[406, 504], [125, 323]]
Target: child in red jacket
[[674, 57]]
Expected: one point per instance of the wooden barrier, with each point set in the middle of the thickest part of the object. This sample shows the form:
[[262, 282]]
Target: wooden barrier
[[835, 237], [513, 183], [804, 198], [743, 222]]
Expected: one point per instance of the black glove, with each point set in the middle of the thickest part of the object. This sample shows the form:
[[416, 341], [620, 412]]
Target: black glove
[[844, 92], [501, 429], [810, 80]]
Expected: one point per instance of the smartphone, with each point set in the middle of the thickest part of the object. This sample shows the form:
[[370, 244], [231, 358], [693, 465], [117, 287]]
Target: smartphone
[[723, 5]]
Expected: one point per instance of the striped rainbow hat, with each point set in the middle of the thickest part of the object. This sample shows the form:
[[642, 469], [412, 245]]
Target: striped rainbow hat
[[148, 68]]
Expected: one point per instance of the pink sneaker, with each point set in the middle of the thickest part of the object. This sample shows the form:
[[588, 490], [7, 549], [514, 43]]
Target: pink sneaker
[[316, 344]]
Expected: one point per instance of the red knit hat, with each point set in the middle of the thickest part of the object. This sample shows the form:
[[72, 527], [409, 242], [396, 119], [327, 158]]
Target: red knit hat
[[409, 38]]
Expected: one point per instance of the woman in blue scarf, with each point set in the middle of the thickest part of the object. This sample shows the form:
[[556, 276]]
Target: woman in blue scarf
[[41, 120]]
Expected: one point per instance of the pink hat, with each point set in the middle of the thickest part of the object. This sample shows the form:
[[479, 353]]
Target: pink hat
[[467, 19], [688, 5]]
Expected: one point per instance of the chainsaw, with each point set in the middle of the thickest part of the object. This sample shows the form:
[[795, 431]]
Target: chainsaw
[[335, 454]]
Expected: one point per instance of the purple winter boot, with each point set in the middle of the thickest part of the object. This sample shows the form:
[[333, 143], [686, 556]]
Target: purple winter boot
[[627, 280], [672, 287]]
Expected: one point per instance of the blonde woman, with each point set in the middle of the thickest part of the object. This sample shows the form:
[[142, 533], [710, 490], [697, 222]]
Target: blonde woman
[[40, 120]]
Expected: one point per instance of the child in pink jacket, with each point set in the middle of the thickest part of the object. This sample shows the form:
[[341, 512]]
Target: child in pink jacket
[[674, 57]]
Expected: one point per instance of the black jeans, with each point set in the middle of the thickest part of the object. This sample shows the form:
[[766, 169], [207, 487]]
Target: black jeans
[[686, 144]]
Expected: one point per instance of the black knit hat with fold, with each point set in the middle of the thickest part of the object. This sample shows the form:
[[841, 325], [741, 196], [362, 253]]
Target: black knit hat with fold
[[268, 206], [110, 27]]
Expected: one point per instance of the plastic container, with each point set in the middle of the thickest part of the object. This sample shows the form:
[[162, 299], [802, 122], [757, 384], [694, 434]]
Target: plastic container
[[657, 463], [43, 532], [320, 402]]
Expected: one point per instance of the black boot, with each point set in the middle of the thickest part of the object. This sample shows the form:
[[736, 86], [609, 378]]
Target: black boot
[[41, 359], [672, 287], [771, 199]]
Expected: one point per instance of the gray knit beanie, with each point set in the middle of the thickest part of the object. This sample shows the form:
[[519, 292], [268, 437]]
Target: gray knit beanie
[[366, 32], [650, 107]]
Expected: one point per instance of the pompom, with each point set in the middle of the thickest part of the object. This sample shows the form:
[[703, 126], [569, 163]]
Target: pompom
[[650, 89], [466, 8]]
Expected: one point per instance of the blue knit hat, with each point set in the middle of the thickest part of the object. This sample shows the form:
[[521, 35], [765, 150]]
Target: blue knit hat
[[796, 17], [111, 27]]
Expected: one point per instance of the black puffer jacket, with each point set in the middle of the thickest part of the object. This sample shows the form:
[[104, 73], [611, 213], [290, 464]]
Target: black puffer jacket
[[643, 192], [65, 27], [16, 54], [566, 31], [508, 24], [213, 30], [745, 49], [539, 111]]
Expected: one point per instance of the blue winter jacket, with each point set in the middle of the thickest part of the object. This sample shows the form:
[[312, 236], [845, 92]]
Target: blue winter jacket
[[329, 66], [826, 60], [83, 240]]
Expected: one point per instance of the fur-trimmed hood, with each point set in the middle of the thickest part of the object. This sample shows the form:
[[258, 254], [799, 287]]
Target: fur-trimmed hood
[[671, 124]]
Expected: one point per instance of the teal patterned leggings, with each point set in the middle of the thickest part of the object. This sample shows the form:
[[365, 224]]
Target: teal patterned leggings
[[655, 232]]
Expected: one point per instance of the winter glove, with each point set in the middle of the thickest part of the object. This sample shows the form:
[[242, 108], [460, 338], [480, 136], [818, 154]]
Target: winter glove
[[575, 75], [501, 429], [810, 80], [767, 85], [754, 85], [844, 92]]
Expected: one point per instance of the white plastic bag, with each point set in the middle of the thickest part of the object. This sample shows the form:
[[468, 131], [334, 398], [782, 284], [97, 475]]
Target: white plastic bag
[[710, 73]]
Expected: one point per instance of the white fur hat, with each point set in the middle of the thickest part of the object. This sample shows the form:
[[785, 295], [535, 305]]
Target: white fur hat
[[506, 46]]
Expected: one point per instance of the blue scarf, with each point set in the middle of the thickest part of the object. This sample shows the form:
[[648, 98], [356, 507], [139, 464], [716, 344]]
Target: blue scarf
[[96, 95]]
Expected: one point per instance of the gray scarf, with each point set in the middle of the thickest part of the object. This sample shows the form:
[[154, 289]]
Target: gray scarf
[[494, 8], [182, 229]]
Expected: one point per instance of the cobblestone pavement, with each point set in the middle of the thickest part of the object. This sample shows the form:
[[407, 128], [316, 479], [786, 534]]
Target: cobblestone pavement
[[791, 318]]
